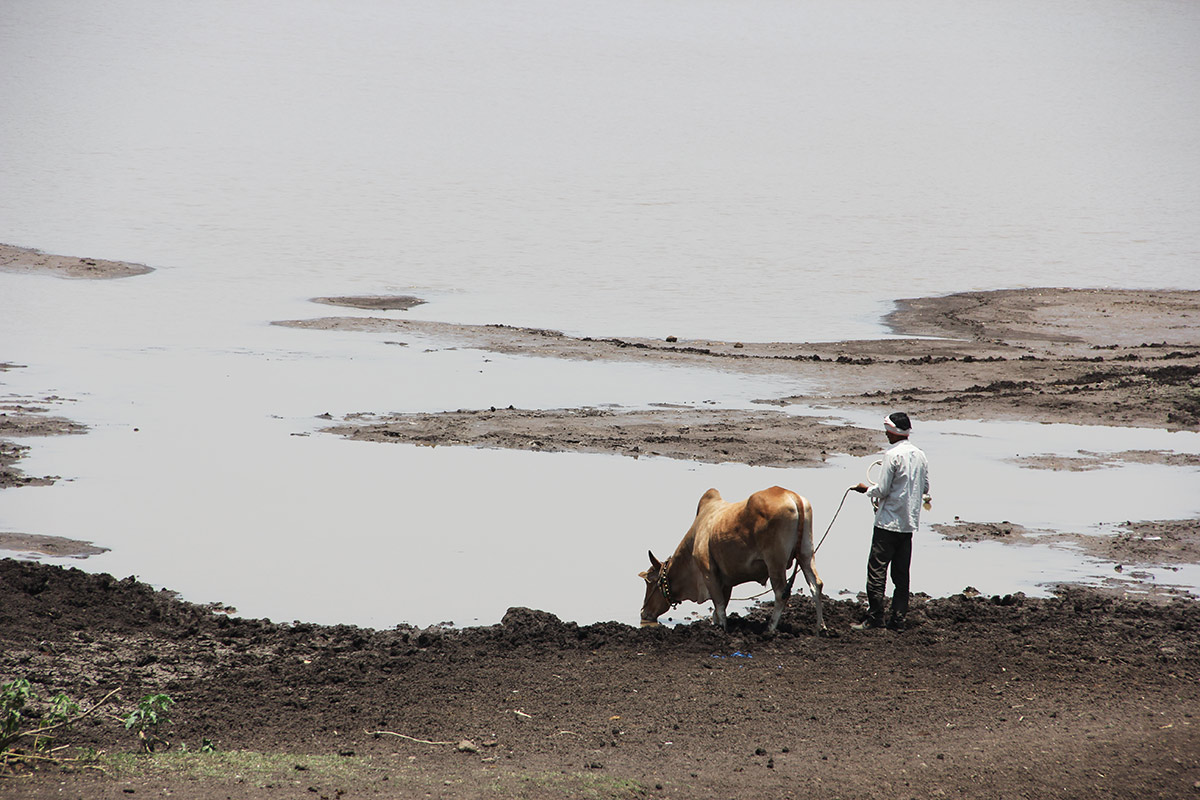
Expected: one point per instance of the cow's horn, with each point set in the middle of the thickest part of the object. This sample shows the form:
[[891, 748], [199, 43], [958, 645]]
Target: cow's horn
[[654, 562]]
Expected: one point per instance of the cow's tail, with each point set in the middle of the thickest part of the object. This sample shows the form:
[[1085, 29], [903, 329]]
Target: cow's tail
[[804, 539]]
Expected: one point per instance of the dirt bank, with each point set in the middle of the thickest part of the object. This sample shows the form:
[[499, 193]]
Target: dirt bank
[[1077, 696]]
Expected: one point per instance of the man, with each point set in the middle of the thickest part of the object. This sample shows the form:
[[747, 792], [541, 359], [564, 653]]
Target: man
[[903, 486]]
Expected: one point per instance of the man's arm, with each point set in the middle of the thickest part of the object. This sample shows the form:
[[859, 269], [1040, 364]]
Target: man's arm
[[881, 489]]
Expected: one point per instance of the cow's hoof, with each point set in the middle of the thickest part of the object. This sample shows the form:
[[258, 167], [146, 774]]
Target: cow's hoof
[[650, 623], [827, 633]]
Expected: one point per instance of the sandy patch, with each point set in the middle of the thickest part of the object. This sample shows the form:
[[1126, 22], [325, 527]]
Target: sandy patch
[[963, 531], [54, 546], [24, 259]]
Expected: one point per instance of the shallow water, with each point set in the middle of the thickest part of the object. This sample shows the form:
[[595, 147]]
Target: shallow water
[[223, 500], [771, 171]]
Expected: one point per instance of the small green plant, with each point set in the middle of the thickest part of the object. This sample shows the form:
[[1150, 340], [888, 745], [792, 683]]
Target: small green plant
[[151, 711], [62, 708], [24, 717], [14, 696]]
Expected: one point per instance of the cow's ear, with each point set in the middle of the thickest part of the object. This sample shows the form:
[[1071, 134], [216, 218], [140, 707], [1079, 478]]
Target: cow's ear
[[644, 576], [654, 562]]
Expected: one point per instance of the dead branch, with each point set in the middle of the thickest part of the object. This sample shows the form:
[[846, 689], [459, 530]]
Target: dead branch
[[36, 733]]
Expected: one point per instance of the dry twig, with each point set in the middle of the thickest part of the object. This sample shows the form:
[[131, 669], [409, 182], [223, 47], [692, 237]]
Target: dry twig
[[36, 733], [403, 736]]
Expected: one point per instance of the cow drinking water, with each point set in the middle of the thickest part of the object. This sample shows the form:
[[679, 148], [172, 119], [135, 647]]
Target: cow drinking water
[[731, 543]]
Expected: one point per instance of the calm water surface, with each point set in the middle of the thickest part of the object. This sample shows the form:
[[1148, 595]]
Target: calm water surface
[[755, 171]]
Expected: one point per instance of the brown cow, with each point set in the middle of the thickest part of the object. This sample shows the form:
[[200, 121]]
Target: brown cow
[[731, 543]]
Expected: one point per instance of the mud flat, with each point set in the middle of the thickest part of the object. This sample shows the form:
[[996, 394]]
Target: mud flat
[[27, 260], [1097, 357], [764, 438]]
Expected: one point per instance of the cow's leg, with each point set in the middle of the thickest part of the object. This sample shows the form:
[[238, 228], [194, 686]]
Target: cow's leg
[[720, 598], [815, 584], [778, 577]]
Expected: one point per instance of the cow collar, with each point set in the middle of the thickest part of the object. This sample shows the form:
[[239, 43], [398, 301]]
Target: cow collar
[[664, 582]]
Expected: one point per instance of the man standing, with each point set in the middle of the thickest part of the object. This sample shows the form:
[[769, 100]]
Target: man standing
[[903, 486]]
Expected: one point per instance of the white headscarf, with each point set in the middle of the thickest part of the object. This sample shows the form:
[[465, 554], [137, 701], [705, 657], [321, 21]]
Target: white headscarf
[[891, 428]]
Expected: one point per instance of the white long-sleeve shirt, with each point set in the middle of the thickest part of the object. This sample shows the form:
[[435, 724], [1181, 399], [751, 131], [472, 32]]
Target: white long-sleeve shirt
[[903, 482]]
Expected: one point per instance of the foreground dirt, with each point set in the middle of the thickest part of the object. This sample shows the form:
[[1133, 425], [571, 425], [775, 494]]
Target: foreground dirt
[[1078, 696]]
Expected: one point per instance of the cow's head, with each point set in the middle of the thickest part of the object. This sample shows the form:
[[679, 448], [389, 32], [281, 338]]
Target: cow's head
[[658, 591]]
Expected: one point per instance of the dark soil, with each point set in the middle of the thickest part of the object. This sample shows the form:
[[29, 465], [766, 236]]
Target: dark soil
[[1078, 696]]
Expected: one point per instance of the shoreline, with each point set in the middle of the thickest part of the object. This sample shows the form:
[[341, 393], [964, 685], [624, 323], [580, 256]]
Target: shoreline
[[1112, 357]]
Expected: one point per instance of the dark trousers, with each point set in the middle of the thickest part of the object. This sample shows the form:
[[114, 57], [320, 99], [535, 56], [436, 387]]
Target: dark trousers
[[894, 549]]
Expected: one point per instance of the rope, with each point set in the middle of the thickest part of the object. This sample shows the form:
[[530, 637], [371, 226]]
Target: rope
[[835, 516]]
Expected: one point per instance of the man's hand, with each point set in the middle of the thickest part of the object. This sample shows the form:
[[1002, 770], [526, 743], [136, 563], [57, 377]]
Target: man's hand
[[861, 488]]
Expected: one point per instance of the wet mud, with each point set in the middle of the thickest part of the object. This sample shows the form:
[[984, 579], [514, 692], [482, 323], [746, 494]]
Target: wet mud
[[1076, 696]]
